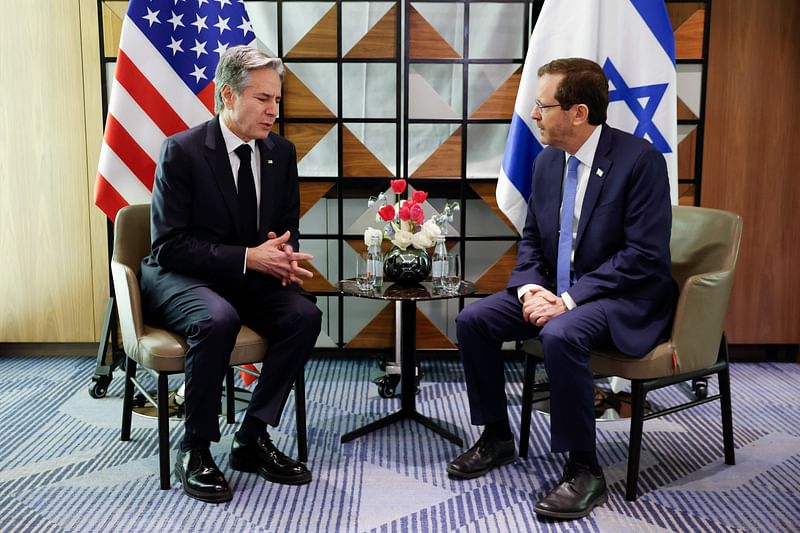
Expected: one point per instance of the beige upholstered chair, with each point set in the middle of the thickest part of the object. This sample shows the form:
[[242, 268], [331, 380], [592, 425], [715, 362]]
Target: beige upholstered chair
[[163, 351], [704, 247]]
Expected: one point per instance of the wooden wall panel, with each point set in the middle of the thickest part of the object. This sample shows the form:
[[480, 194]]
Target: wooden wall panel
[[46, 285], [751, 162], [93, 123]]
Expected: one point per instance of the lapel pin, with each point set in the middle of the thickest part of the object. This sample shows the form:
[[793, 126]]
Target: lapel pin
[[599, 172], [269, 161]]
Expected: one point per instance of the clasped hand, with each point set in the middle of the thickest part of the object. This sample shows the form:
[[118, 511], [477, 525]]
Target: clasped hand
[[276, 257], [539, 306]]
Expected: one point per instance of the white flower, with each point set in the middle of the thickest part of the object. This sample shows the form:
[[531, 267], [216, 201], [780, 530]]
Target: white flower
[[431, 230], [402, 239], [372, 234], [421, 241]]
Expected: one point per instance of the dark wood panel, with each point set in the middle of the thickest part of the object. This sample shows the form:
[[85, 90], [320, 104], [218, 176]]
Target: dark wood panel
[[750, 163]]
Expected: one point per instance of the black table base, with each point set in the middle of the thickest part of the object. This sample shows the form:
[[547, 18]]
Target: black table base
[[408, 408]]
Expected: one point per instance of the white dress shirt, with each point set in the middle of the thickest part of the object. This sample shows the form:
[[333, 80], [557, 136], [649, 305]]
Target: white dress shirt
[[232, 142], [585, 156]]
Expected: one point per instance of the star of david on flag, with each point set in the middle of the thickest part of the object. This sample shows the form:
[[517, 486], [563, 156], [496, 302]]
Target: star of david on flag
[[633, 41], [163, 84]]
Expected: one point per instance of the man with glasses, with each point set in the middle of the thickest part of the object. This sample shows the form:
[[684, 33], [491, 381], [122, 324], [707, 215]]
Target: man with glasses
[[592, 270]]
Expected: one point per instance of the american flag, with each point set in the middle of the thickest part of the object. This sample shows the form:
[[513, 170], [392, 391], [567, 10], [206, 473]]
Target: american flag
[[163, 84]]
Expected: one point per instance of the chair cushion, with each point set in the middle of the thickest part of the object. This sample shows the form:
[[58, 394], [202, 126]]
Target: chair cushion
[[657, 363], [164, 351]]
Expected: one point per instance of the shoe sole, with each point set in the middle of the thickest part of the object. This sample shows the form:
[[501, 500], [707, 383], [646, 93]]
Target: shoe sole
[[571, 516], [242, 465], [222, 497], [472, 475]]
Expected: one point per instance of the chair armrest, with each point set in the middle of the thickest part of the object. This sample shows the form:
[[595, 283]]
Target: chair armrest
[[129, 307], [699, 319]]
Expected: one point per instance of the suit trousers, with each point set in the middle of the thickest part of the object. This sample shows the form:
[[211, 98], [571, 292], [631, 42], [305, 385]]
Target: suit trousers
[[482, 328], [210, 320]]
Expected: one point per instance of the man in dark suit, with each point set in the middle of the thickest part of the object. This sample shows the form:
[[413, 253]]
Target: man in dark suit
[[225, 217], [593, 270]]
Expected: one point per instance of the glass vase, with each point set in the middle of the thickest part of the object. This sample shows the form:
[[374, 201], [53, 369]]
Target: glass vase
[[406, 267]]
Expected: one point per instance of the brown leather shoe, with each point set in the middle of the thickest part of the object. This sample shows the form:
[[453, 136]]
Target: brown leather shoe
[[576, 495], [268, 461], [200, 476], [486, 454]]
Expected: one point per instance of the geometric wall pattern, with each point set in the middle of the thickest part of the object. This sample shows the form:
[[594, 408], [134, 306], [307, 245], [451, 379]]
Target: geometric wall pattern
[[431, 124], [689, 27], [368, 97]]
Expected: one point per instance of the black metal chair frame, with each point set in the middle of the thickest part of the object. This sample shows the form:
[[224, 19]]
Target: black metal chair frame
[[639, 390], [162, 407]]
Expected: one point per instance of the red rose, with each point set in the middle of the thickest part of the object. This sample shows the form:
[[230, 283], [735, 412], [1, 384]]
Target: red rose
[[398, 186], [420, 197], [386, 212], [416, 213], [405, 212]]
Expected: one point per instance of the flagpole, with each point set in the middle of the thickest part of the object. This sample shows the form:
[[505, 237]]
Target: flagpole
[[104, 370]]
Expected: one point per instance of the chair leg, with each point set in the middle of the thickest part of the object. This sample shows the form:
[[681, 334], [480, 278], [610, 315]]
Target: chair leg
[[163, 431], [638, 393], [230, 396], [300, 410], [527, 404], [127, 400], [725, 404]]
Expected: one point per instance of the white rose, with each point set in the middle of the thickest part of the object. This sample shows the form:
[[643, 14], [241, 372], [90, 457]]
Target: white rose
[[421, 241], [402, 239], [371, 235], [431, 230]]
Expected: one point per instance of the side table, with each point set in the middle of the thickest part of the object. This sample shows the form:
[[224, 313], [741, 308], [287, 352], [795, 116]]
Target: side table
[[408, 296]]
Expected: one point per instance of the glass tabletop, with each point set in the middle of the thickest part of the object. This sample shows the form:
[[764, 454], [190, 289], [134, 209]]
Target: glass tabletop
[[393, 291]]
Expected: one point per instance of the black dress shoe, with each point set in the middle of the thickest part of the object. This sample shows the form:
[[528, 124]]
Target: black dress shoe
[[200, 476], [576, 495], [263, 457], [487, 453]]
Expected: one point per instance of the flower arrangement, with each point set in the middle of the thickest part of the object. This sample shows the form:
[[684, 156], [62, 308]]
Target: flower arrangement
[[404, 220]]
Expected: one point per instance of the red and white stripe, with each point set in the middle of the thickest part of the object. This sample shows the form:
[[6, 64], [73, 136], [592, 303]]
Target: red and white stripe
[[148, 102]]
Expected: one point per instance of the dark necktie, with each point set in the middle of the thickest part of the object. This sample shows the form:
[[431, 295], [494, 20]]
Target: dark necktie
[[565, 231], [248, 207]]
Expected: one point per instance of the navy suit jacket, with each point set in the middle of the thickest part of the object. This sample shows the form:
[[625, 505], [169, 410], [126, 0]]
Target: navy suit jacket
[[195, 233], [621, 255]]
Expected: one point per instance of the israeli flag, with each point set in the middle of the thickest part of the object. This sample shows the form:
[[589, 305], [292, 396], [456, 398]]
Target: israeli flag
[[633, 41]]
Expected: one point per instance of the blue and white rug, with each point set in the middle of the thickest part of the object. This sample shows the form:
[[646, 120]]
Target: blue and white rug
[[63, 467]]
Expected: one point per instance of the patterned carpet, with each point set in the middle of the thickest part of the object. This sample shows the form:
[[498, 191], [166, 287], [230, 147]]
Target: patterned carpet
[[63, 468]]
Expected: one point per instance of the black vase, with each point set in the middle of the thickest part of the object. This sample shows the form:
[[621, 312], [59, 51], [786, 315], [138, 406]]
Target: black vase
[[406, 267]]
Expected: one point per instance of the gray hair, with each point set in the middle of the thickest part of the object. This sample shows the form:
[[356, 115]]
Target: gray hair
[[234, 69]]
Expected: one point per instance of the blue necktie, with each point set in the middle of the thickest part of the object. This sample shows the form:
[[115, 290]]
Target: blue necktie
[[565, 230]]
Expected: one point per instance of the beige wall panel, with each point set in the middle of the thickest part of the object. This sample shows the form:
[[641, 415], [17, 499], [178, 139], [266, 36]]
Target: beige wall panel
[[113, 15], [93, 118], [45, 272]]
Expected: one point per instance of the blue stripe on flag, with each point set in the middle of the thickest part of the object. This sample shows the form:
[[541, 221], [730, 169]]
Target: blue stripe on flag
[[521, 149], [656, 17]]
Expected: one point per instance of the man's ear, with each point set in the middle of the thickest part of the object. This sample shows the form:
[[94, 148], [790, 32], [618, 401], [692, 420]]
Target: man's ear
[[227, 95], [581, 114]]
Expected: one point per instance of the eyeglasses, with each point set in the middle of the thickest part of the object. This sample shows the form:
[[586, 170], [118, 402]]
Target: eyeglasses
[[541, 107]]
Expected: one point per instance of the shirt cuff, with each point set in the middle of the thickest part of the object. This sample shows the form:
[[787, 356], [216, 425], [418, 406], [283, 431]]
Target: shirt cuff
[[244, 267], [568, 301], [525, 288]]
